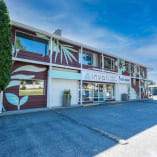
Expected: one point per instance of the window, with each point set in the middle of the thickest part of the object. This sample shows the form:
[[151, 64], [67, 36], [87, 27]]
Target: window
[[31, 43], [87, 92], [32, 87], [127, 65], [132, 68], [89, 58], [108, 63]]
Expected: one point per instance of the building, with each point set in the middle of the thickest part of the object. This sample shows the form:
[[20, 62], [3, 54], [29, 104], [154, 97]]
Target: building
[[45, 64]]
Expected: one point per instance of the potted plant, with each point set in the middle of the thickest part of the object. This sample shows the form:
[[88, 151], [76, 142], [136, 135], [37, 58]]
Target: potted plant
[[66, 98]]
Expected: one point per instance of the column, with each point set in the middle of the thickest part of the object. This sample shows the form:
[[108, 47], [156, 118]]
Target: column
[[81, 82], [1, 101], [49, 80]]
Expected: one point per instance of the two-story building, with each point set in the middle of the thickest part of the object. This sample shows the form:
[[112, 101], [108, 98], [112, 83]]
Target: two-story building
[[46, 64]]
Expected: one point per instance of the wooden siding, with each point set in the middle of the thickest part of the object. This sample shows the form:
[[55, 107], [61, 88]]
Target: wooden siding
[[34, 101]]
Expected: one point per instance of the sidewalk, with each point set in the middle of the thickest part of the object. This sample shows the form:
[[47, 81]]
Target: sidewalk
[[143, 144]]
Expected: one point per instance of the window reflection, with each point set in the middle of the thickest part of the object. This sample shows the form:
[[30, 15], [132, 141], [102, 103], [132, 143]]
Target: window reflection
[[31, 43], [89, 58], [97, 92], [32, 87], [108, 63]]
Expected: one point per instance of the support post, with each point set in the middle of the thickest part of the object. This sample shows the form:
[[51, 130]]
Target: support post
[[81, 83], [1, 101], [49, 82], [102, 61]]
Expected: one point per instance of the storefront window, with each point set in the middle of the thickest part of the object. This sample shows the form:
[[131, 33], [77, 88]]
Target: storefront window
[[31, 43], [32, 87], [87, 92], [97, 92], [109, 91]]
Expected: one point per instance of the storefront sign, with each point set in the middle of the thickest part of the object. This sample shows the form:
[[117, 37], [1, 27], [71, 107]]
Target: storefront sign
[[99, 76], [124, 79], [90, 75]]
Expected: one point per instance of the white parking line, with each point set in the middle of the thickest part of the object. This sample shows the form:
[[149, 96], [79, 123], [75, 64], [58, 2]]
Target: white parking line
[[140, 109]]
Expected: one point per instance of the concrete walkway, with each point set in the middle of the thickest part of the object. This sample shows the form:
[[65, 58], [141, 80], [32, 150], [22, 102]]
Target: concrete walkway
[[143, 144]]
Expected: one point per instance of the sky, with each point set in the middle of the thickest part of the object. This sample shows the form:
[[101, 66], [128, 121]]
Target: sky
[[126, 28]]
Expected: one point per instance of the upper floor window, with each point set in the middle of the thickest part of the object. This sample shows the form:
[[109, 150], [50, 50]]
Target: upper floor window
[[108, 63], [89, 58], [132, 68], [31, 43], [128, 67]]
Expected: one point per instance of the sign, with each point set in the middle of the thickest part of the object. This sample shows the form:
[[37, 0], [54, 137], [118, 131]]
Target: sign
[[91, 75], [124, 79], [97, 76]]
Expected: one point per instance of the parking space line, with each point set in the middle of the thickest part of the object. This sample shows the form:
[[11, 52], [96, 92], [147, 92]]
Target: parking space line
[[102, 132]]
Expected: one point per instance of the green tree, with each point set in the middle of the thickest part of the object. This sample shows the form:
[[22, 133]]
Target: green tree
[[5, 48]]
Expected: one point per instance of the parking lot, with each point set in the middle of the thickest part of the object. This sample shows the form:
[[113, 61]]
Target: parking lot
[[66, 132]]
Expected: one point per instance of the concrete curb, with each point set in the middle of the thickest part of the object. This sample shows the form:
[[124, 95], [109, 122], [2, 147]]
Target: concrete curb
[[8, 113]]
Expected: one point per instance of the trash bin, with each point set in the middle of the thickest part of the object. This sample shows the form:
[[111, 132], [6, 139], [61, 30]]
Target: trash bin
[[124, 97]]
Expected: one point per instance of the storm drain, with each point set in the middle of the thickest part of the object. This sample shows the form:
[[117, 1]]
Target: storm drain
[[99, 131]]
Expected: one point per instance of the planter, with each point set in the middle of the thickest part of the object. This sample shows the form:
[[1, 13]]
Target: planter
[[66, 100]]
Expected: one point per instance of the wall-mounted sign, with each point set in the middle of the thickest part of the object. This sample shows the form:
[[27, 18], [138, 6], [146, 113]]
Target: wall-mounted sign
[[124, 79], [90, 75]]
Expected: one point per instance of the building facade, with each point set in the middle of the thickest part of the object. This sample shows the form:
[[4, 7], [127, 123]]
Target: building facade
[[44, 65]]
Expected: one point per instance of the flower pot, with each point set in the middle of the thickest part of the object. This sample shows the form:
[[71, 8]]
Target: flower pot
[[66, 100]]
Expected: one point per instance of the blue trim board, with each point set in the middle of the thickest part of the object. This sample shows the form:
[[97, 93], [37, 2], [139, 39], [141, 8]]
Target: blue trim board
[[65, 75]]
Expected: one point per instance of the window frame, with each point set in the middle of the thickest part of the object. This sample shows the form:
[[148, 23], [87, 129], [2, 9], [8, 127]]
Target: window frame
[[112, 63], [44, 89], [91, 53], [45, 52]]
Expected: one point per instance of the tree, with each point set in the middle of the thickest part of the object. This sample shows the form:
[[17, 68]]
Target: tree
[[5, 48]]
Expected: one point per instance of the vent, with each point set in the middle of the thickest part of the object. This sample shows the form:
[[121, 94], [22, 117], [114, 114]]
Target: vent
[[58, 32]]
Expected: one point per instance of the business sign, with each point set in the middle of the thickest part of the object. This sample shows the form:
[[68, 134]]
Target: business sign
[[124, 79], [90, 75], [99, 76]]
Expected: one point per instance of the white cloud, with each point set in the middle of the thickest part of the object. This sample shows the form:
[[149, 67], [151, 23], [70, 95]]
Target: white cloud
[[83, 30]]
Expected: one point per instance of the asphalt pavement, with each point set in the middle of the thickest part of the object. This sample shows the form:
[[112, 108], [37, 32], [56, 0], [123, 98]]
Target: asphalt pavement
[[48, 134]]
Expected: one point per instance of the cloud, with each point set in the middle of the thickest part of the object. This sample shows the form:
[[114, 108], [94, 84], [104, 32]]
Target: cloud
[[82, 28]]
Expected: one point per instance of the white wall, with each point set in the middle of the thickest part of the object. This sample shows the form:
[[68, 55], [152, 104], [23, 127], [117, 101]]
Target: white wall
[[59, 85], [120, 89]]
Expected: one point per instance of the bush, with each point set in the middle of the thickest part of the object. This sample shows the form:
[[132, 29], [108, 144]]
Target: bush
[[5, 46]]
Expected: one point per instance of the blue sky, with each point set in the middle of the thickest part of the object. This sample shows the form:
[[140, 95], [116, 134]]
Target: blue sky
[[126, 28]]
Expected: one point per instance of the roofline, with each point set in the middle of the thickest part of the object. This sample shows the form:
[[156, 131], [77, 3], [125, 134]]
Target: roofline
[[15, 23]]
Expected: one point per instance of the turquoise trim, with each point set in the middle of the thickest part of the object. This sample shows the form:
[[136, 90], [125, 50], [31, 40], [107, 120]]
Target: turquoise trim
[[65, 75], [3, 108]]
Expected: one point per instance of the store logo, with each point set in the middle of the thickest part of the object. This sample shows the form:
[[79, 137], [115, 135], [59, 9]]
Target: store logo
[[87, 76]]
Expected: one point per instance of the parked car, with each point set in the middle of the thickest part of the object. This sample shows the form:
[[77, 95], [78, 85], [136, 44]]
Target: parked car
[[155, 92]]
